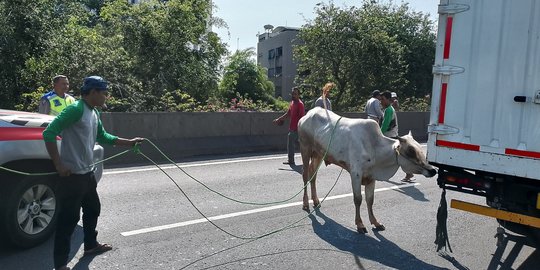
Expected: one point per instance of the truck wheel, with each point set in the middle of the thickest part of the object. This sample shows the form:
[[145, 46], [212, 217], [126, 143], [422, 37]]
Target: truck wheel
[[30, 211]]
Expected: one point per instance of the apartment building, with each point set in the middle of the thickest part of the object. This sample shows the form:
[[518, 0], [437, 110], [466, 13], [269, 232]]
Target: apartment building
[[275, 53]]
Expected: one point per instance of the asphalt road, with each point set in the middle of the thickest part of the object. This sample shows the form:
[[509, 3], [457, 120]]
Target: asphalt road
[[152, 225]]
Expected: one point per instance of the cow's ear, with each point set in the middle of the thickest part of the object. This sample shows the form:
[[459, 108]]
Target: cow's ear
[[401, 140]]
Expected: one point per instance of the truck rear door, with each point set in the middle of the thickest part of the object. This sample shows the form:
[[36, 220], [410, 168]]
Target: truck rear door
[[485, 112]]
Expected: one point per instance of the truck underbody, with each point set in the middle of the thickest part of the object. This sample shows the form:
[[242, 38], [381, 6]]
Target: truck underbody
[[515, 200]]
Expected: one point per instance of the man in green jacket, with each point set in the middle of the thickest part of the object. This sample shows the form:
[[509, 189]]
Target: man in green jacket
[[389, 125], [53, 102], [80, 127]]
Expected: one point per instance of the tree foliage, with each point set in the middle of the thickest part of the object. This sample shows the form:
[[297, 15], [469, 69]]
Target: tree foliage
[[242, 77], [375, 46], [142, 50]]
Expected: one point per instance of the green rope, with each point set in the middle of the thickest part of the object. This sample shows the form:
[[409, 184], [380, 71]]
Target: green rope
[[232, 234], [54, 173], [136, 149], [247, 202]]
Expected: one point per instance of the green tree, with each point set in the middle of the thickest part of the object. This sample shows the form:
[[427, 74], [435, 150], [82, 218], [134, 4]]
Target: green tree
[[243, 77], [169, 46], [23, 32], [375, 46], [142, 50]]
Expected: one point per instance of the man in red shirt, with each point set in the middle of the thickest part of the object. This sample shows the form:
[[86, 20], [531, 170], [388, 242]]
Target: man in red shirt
[[295, 112]]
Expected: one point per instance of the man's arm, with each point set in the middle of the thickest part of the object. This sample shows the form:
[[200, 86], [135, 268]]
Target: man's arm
[[285, 115], [378, 109], [128, 142], [66, 118], [52, 149]]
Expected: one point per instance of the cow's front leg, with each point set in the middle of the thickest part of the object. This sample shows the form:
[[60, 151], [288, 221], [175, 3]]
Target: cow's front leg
[[357, 197], [370, 195]]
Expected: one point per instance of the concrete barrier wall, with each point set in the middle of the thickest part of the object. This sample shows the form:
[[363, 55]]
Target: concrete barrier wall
[[182, 135]]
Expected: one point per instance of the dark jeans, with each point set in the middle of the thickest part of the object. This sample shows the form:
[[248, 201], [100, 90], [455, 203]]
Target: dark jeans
[[292, 138], [74, 192]]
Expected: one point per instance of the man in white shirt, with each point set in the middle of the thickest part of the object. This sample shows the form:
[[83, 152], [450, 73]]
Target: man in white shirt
[[373, 107]]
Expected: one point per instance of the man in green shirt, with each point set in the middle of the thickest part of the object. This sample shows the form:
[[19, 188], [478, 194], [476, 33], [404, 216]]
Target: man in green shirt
[[80, 127], [389, 125]]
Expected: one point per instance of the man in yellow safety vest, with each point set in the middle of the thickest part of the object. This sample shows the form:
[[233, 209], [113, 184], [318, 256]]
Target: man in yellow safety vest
[[57, 99]]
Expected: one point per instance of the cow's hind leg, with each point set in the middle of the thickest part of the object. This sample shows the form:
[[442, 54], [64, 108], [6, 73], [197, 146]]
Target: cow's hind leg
[[306, 157], [315, 161], [357, 197], [370, 194]]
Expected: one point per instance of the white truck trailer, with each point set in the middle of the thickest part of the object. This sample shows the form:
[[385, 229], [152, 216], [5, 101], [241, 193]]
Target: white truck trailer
[[484, 131]]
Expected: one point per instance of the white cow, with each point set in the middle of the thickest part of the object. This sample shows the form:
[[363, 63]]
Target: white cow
[[359, 147]]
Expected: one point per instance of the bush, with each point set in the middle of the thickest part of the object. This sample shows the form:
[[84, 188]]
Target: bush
[[29, 102], [414, 104]]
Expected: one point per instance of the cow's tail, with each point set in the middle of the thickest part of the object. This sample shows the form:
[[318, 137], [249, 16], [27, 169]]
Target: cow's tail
[[325, 107]]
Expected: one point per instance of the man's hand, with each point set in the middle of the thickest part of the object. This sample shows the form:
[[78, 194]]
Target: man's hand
[[136, 140], [278, 121], [62, 170]]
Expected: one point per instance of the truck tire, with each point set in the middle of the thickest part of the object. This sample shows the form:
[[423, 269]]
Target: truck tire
[[30, 211]]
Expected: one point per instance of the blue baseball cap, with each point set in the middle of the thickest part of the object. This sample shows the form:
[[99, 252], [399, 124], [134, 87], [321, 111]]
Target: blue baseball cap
[[94, 82]]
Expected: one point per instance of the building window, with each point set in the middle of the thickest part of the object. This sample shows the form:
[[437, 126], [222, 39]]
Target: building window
[[279, 51], [271, 54], [278, 71], [271, 72]]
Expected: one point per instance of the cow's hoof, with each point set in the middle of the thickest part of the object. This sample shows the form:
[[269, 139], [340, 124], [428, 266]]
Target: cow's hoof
[[305, 208], [380, 227], [362, 230], [316, 205]]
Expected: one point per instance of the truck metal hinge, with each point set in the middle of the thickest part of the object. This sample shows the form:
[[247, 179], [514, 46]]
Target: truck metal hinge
[[447, 70], [442, 129], [453, 8]]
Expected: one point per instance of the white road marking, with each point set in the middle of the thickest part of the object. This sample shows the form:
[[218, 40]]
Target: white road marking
[[242, 213], [198, 164]]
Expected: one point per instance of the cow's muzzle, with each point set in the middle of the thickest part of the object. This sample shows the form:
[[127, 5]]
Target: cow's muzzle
[[430, 172]]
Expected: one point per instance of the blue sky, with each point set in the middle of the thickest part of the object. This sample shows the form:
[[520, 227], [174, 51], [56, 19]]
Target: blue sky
[[246, 18]]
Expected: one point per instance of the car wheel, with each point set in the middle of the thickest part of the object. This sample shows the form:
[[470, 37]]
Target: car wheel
[[31, 212]]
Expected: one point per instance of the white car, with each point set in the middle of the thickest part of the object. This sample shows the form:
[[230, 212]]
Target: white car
[[28, 204]]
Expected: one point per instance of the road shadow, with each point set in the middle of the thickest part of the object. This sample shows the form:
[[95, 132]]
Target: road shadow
[[84, 262], [365, 247], [293, 168], [39, 257], [413, 192], [453, 260], [500, 262]]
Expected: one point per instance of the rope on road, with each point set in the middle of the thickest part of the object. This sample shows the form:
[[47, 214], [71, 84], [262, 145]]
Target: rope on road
[[232, 234]]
